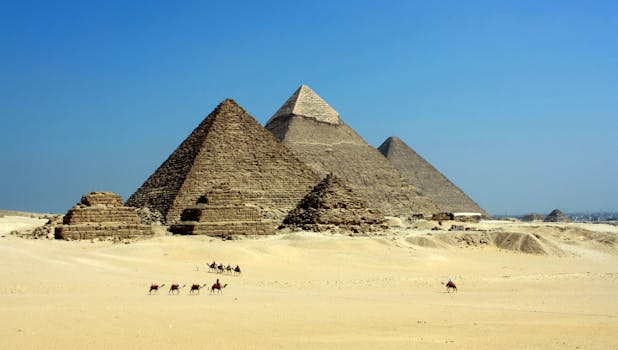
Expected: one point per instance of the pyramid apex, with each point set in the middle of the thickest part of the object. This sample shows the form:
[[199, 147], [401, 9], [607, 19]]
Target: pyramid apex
[[229, 102], [307, 103], [392, 139]]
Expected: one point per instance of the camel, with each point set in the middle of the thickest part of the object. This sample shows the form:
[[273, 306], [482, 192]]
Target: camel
[[175, 288], [228, 269], [451, 285], [220, 268], [217, 287], [155, 287], [237, 270], [212, 267], [195, 288]]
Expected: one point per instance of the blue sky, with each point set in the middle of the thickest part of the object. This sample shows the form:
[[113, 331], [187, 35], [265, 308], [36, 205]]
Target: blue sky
[[515, 101]]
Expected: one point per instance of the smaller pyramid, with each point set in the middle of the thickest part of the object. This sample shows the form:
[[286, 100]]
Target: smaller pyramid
[[332, 204], [101, 215], [304, 102], [420, 173], [557, 216], [221, 213]]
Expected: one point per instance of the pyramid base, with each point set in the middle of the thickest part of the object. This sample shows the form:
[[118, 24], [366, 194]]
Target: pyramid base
[[222, 229], [121, 231]]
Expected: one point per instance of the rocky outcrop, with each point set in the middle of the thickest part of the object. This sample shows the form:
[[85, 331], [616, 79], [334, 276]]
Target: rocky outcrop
[[331, 204], [222, 213], [231, 147], [101, 215]]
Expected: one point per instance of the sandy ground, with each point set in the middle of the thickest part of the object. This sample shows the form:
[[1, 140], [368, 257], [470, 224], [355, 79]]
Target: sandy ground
[[315, 291]]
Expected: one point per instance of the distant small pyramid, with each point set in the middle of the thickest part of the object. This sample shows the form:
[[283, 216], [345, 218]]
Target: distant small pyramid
[[306, 103], [557, 216], [331, 203], [229, 146], [321, 139], [448, 197]]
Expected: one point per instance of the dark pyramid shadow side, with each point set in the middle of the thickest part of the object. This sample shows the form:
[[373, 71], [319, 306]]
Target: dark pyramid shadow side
[[320, 138], [229, 147], [447, 196]]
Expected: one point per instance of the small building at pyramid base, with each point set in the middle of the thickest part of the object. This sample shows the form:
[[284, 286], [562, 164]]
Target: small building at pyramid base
[[222, 213], [332, 205], [101, 215]]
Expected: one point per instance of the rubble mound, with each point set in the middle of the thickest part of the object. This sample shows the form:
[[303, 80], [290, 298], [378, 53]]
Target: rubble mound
[[101, 215], [522, 242], [332, 204]]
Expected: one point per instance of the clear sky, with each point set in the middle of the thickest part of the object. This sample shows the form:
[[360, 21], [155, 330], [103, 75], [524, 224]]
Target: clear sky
[[515, 101]]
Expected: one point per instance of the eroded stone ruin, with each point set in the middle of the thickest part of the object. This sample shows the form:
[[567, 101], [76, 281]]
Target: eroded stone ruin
[[101, 215], [331, 204], [222, 213]]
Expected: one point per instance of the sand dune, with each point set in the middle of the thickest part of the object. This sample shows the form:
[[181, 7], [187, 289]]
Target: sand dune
[[327, 291]]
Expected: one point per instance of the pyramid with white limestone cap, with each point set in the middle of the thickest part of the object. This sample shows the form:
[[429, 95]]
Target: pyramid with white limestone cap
[[306, 103], [321, 139]]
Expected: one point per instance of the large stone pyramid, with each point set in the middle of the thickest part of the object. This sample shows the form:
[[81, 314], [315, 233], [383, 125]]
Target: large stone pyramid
[[229, 147], [314, 131], [332, 204], [448, 197]]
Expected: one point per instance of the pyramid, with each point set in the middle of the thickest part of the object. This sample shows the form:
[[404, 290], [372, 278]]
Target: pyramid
[[448, 197], [331, 203], [230, 147], [557, 216], [101, 215], [314, 131]]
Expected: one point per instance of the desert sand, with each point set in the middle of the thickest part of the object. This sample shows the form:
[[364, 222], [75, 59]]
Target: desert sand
[[317, 290]]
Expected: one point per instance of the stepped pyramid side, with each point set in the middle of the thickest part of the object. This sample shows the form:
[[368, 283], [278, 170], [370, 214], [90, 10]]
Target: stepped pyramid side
[[448, 197], [221, 213], [231, 147], [331, 203], [336, 148], [101, 215]]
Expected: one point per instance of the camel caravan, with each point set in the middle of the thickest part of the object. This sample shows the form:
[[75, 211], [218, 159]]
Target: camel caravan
[[221, 269], [216, 288]]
